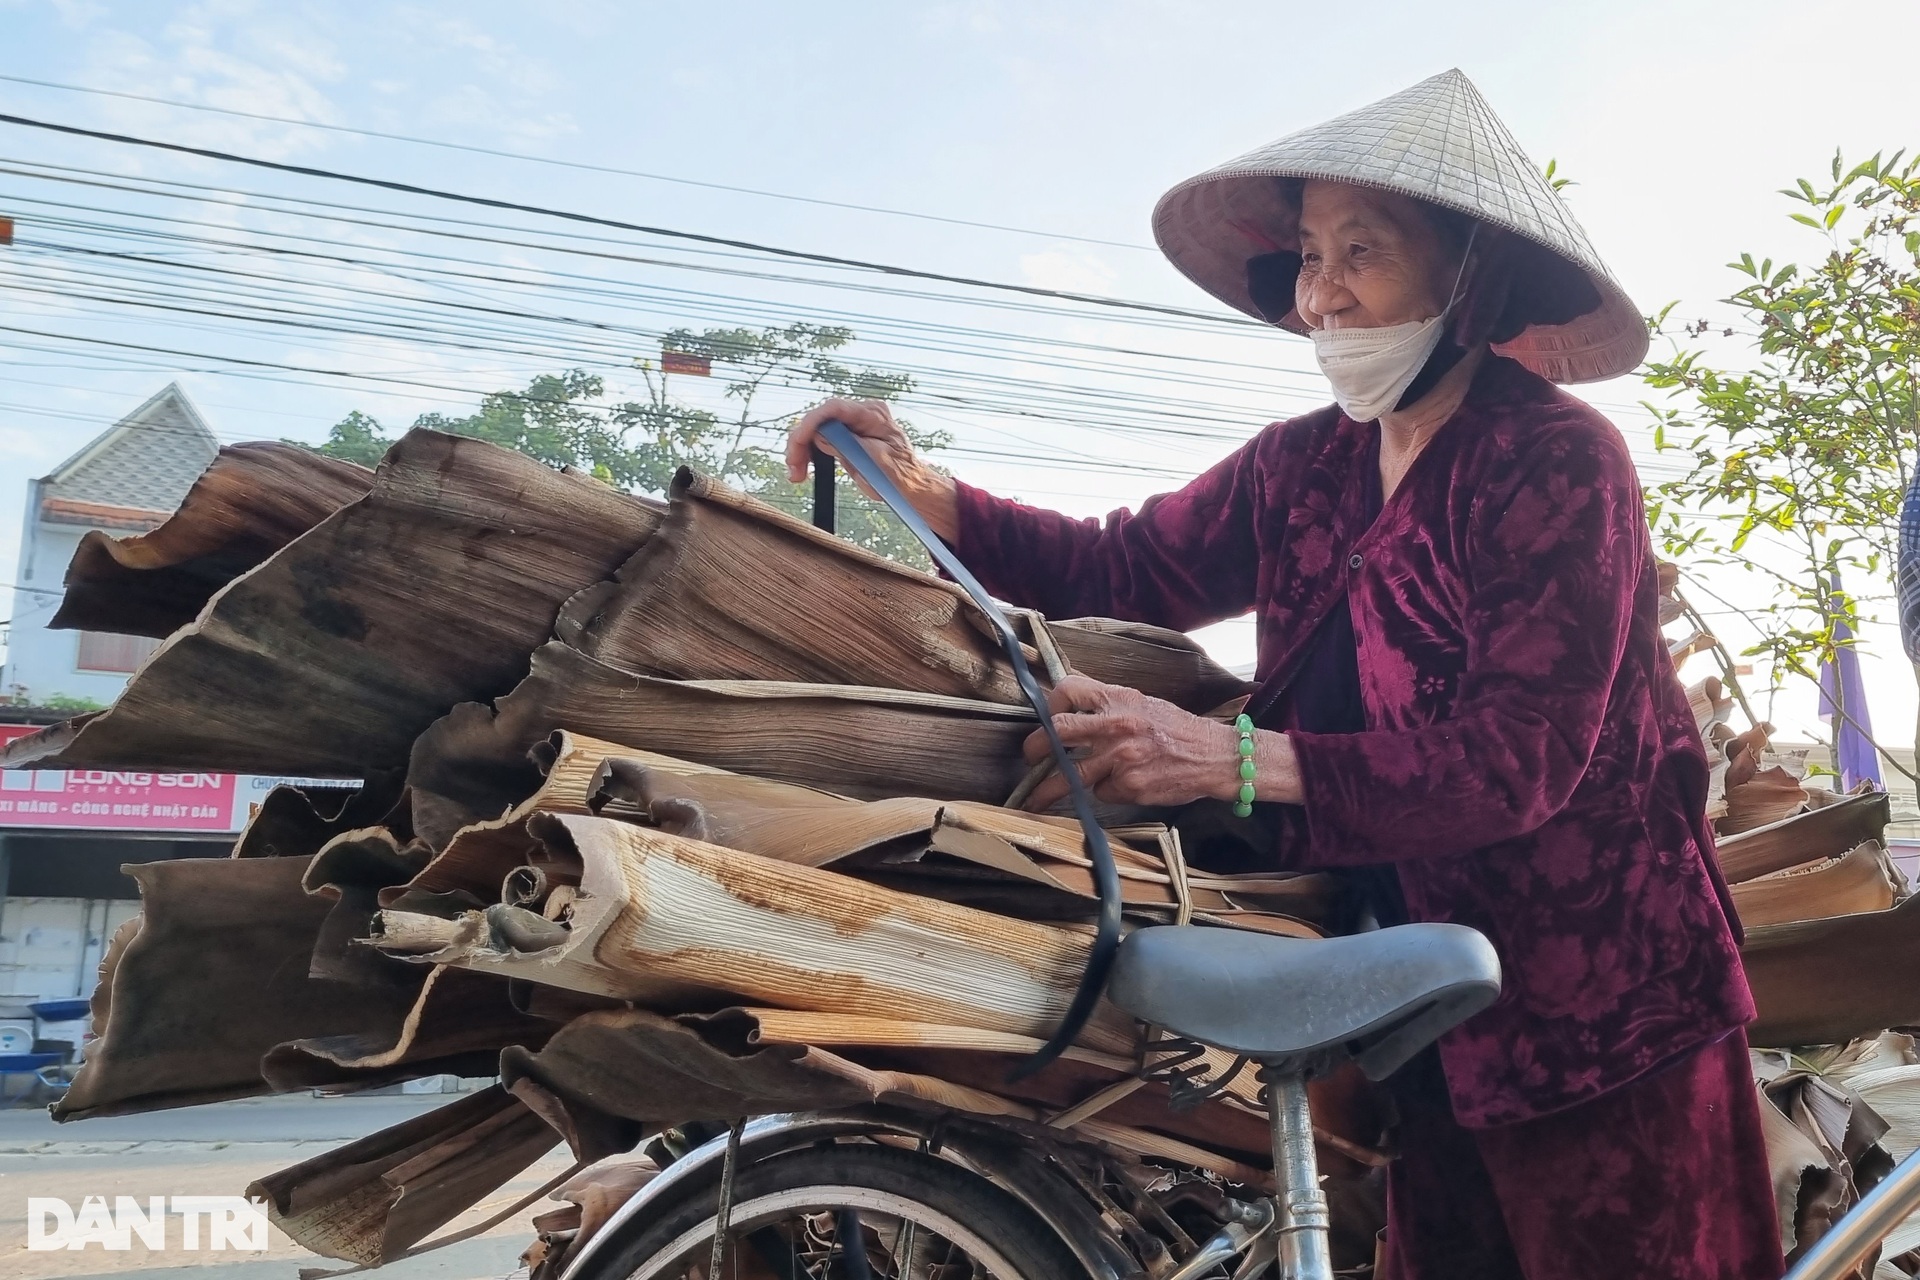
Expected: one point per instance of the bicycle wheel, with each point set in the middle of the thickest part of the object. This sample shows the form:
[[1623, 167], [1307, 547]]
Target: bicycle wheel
[[847, 1213]]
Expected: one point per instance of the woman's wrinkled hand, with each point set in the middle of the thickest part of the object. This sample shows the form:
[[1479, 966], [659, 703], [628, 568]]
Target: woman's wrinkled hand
[[1133, 749], [930, 491]]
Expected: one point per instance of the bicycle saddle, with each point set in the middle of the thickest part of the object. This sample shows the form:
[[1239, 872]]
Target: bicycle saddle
[[1306, 1005]]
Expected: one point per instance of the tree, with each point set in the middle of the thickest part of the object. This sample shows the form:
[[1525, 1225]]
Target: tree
[[562, 420], [793, 357], [1800, 461], [355, 438]]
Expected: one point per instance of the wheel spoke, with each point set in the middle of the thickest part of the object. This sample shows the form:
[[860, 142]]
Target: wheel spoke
[[871, 1215], [903, 1250]]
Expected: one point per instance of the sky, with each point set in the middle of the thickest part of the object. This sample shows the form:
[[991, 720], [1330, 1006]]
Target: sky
[[1678, 121]]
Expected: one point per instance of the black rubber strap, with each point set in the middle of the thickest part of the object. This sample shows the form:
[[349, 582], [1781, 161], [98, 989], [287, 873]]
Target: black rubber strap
[[1106, 877]]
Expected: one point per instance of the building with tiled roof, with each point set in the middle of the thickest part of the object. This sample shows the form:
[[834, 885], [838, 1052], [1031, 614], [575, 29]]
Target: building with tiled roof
[[65, 835], [128, 479]]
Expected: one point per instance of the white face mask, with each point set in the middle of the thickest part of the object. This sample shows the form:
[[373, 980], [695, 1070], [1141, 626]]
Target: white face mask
[[1370, 369]]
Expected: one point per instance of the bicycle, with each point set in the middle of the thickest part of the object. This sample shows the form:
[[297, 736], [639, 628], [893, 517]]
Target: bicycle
[[899, 1193], [910, 1192]]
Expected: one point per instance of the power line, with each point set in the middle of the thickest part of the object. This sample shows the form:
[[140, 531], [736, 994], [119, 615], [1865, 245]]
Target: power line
[[973, 393], [581, 165], [107, 265], [1199, 321], [1164, 407], [433, 329], [98, 178], [1029, 399], [1113, 467], [512, 206], [14, 379], [496, 280], [1313, 389], [493, 278], [1024, 403], [437, 320]]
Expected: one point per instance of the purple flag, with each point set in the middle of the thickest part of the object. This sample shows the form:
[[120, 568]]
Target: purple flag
[[1854, 754]]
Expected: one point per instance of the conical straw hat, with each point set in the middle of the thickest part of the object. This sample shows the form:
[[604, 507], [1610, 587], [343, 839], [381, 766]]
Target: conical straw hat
[[1438, 141]]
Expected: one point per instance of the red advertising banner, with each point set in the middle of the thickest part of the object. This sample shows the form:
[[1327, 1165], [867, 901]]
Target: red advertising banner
[[113, 800], [685, 362]]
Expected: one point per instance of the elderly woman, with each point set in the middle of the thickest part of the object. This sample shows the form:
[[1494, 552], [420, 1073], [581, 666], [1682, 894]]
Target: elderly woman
[[1462, 682]]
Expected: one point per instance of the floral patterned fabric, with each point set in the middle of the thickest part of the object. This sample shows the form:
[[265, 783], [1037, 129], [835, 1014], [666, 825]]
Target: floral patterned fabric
[[1665, 1177], [1530, 763]]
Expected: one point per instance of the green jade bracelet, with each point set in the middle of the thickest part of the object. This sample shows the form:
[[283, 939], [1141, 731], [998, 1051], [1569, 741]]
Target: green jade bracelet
[[1243, 803]]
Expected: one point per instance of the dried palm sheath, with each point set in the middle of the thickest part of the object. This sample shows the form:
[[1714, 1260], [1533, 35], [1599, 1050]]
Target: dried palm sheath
[[1840, 1063], [661, 920], [331, 657], [1846, 1132], [985, 1057], [1894, 1095], [1772, 794], [1680, 650], [214, 975], [1724, 747], [638, 1064], [1711, 704], [349, 873], [868, 743], [294, 821], [1862, 879], [590, 1133], [758, 1027], [814, 828], [1238, 1130], [945, 1094], [1792, 1158], [1158, 661], [254, 499], [1761, 786], [1067, 894], [730, 588], [590, 1201], [371, 1200], [457, 1025], [1829, 981], [479, 856], [492, 933], [1812, 1185], [971, 1054], [733, 589], [1826, 832]]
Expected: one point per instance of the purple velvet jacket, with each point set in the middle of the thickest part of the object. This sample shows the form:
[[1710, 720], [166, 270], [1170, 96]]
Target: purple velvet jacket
[[1530, 765]]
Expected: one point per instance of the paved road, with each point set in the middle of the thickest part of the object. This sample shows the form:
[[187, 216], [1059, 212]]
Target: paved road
[[288, 1118], [218, 1150]]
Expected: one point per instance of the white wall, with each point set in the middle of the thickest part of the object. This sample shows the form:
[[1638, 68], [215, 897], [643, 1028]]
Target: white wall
[[45, 662]]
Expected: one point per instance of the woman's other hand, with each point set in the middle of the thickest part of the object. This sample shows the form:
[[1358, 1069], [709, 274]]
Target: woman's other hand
[[930, 492], [1133, 749]]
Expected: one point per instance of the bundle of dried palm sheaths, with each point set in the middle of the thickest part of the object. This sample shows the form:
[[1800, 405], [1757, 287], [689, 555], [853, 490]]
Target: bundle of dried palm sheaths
[[670, 813]]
